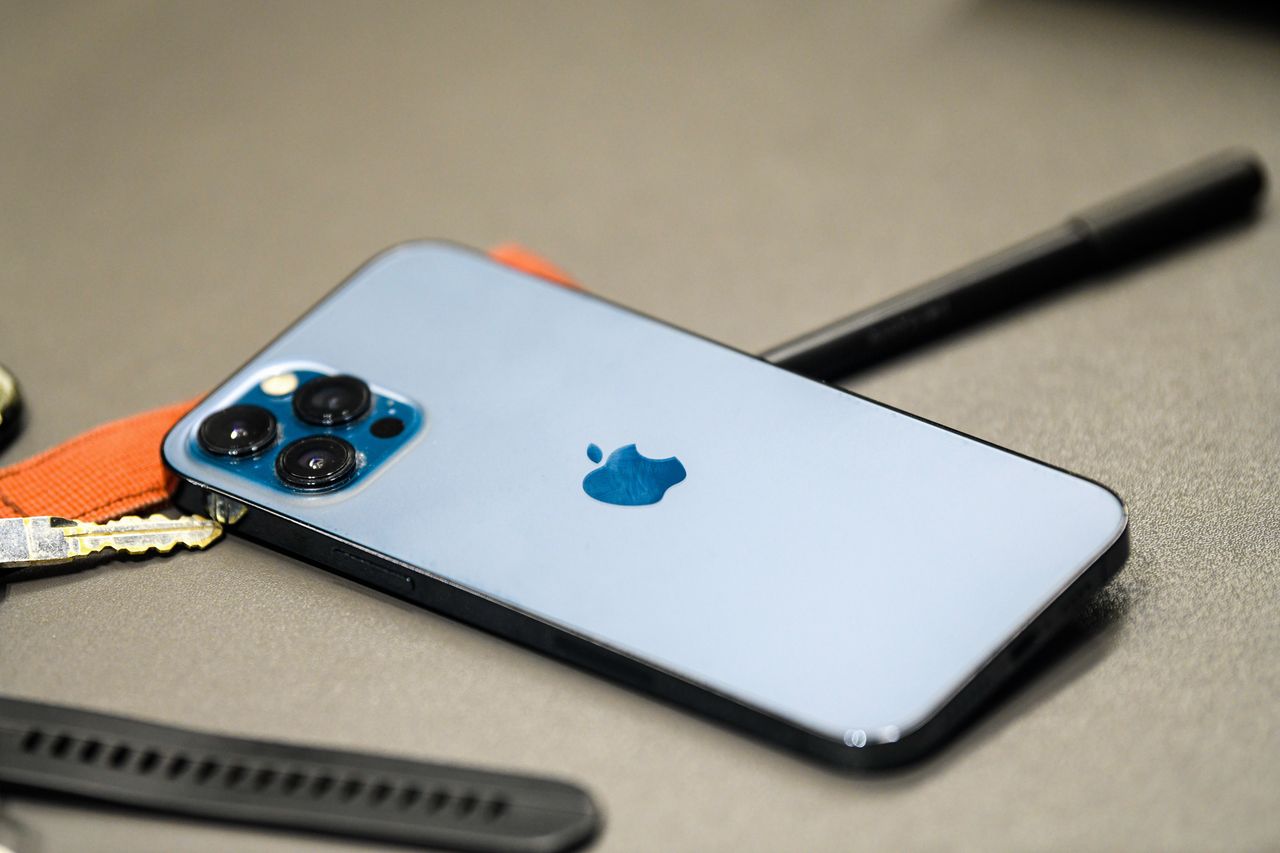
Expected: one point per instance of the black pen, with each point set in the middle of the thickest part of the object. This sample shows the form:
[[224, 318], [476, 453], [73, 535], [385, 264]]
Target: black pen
[[1224, 187]]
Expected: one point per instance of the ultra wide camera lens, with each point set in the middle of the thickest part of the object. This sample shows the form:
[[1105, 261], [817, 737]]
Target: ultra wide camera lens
[[316, 462], [332, 400], [238, 431]]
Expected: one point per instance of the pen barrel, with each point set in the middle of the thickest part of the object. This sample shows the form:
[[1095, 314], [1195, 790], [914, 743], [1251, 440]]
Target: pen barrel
[[1206, 194], [1224, 187], [931, 310]]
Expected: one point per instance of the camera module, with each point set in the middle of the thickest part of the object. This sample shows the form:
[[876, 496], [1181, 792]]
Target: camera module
[[238, 431], [332, 400], [316, 462]]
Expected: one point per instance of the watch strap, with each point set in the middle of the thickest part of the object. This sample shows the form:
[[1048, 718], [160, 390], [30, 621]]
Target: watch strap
[[128, 762]]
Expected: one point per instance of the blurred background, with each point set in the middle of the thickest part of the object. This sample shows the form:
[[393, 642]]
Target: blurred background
[[180, 180]]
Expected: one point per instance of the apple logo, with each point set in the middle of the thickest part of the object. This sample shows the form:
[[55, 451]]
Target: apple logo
[[629, 478]]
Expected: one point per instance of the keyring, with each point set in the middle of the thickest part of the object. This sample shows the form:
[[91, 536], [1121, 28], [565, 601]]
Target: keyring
[[10, 407]]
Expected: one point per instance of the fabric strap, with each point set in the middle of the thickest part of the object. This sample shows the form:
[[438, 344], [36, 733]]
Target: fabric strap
[[115, 469]]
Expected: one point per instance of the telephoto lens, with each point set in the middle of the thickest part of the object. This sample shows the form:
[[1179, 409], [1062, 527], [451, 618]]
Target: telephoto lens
[[316, 463], [238, 431], [332, 400]]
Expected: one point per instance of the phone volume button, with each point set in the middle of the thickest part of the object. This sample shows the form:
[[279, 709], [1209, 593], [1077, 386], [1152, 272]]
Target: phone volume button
[[398, 580]]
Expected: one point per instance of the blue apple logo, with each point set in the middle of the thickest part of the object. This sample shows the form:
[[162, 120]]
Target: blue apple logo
[[630, 479]]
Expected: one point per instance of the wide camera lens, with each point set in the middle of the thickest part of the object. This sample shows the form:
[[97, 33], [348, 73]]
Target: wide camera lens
[[331, 400], [316, 462], [238, 431]]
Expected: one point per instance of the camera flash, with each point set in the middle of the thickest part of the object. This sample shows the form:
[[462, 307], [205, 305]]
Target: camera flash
[[280, 384]]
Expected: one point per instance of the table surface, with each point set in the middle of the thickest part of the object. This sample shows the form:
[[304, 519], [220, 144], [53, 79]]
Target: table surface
[[181, 180]]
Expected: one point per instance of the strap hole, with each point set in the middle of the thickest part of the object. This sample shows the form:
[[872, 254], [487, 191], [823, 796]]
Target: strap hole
[[206, 771], [409, 796], [321, 786], [120, 756], [60, 746], [437, 800], [292, 782], [90, 751], [495, 808], [235, 775]]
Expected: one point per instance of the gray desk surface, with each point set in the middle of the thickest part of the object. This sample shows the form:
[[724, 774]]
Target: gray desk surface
[[180, 181]]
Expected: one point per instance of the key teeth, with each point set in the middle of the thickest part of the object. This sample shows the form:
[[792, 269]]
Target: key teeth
[[155, 534], [165, 547], [160, 516]]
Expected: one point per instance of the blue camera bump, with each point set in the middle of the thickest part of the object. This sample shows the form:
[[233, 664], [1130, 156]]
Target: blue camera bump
[[307, 432]]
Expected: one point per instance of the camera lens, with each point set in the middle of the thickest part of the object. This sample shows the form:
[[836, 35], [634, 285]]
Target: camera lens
[[316, 462], [238, 431], [387, 427], [331, 400]]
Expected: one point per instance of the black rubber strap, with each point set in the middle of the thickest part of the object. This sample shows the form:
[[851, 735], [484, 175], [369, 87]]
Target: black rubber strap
[[50, 748]]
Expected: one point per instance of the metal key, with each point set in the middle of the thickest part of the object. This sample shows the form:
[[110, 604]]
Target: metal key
[[48, 540]]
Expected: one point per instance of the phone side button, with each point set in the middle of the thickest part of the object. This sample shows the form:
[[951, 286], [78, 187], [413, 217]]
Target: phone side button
[[381, 575]]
